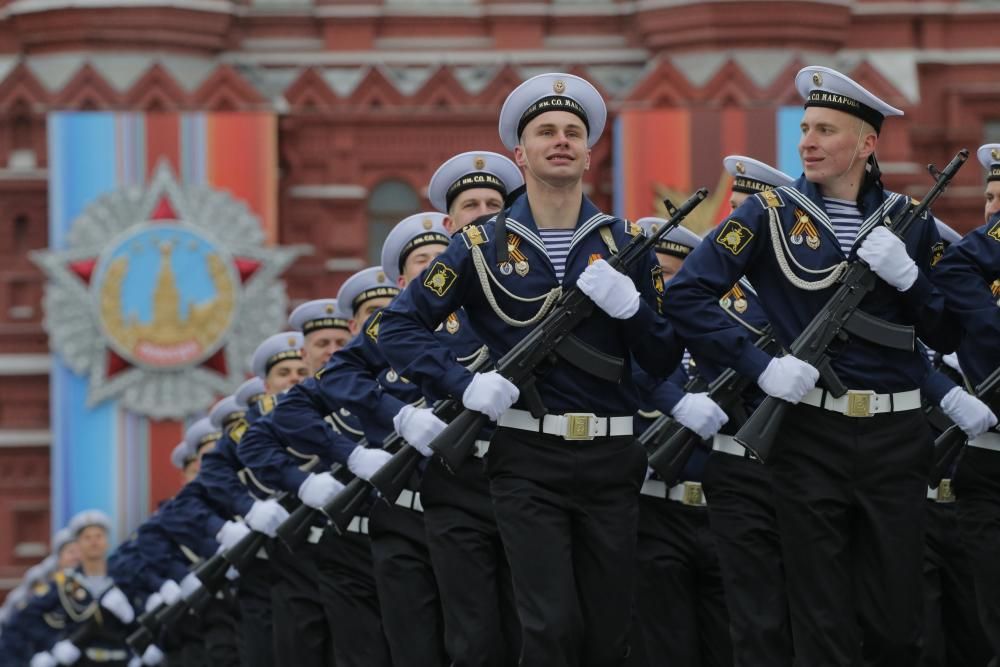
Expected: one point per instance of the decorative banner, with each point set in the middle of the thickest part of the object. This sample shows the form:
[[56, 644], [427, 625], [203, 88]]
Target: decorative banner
[[160, 286], [669, 153]]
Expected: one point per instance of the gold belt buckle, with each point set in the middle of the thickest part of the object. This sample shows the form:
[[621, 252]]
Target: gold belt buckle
[[693, 494], [578, 425], [859, 403], [945, 493]]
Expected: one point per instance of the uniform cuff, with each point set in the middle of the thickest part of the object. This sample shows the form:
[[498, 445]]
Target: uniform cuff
[[456, 380], [242, 505], [643, 319], [936, 385], [387, 408], [919, 291], [292, 479], [214, 524], [752, 362]]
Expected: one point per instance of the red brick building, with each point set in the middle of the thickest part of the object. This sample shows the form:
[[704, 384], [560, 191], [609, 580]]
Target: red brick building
[[374, 94]]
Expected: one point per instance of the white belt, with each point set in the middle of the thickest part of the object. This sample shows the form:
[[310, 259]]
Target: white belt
[[942, 494], [727, 445], [863, 402], [570, 426], [98, 654], [315, 534], [358, 524], [988, 440], [482, 446], [688, 493], [410, 500]]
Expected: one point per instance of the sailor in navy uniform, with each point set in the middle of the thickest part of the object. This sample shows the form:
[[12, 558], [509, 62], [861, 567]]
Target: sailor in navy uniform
[[849, 475], [738, 486], [564, 488], [220, 474], [461, 540], [969, 276], [324, 330], [680, 606], [75, 595], [326, 617]]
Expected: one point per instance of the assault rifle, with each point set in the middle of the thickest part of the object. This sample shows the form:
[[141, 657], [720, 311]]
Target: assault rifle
[[669, 445], [840, 317], [550, 338], [949, 444]]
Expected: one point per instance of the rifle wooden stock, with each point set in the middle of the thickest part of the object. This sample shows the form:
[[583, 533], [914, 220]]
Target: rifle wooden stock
[[455, 443], [949, 444], [759, 432]]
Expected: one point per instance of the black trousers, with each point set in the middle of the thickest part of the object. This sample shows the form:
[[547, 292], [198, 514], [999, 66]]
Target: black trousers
[[302, 619], [407, 590], [254, 595], [953, 636], [849, 495], [741, 515], [679, 597], [183, 645], [977, 487], [473, 576], [220, 623], [568, 515], [347, 587]]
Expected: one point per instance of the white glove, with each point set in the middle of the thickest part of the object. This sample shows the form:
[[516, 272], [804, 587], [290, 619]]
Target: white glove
[[134, 661], [951, 360], [788, 378], [418, 426], [700, 414], [115, 601], [886, 254], [65, 652], [972, 415], [189, 584], [365, 462], [319, 489], [43, 659], [152, 655], [170, 592], [612, 291], [491, 394], [265, 516], [153, 601], [232, 574], [231, 533]]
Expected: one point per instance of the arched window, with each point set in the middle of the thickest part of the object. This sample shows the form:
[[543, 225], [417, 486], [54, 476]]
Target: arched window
[[389, 202]]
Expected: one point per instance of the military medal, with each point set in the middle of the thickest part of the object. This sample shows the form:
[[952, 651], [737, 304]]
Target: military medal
[[796, 239], [451, 324], [520, 261], [725, 302], [740, 305], [392, 375], [804, 229], [521, 268], [506, 268], [995, 287]]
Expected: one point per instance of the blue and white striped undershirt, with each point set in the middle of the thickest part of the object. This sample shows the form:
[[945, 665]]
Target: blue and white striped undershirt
[[557, 242], [846, 220]]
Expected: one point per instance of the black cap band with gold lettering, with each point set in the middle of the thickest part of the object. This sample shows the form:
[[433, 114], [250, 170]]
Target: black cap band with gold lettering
[[324, 323], [993, 174], [552, 103], [281, 356], [373, 293], [673, 248], [750, 186], [828, 100], [476, 179], [427, 238]]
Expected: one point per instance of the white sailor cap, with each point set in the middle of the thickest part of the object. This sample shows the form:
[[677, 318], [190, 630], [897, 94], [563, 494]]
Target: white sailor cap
[[825, 87], [88, 518], [36, 573], [947, 234], [474, 169], [554, 91], [370, 283], [409, 234], [317, 314], [50, 563], [679, 241], [280, 346], [61, 538], [989, 157], [225, 411], [752, 176], [249, 392], [180, 455], [201, 433]]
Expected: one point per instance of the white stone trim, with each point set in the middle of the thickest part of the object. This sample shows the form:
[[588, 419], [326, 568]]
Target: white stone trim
[[25, 364]]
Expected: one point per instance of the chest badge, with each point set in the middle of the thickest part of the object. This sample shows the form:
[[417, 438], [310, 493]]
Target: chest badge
[[518, 258], [995, 287], [451, 324], [736, 299], [804, 230]]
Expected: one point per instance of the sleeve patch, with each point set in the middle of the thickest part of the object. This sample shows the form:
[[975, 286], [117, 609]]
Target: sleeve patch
[[771, 199], [237, 431], [266, 404], [440, 278], [372, 329], [994, 232], [937, 251], [735, 236], [658, 279], [475, 235]]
